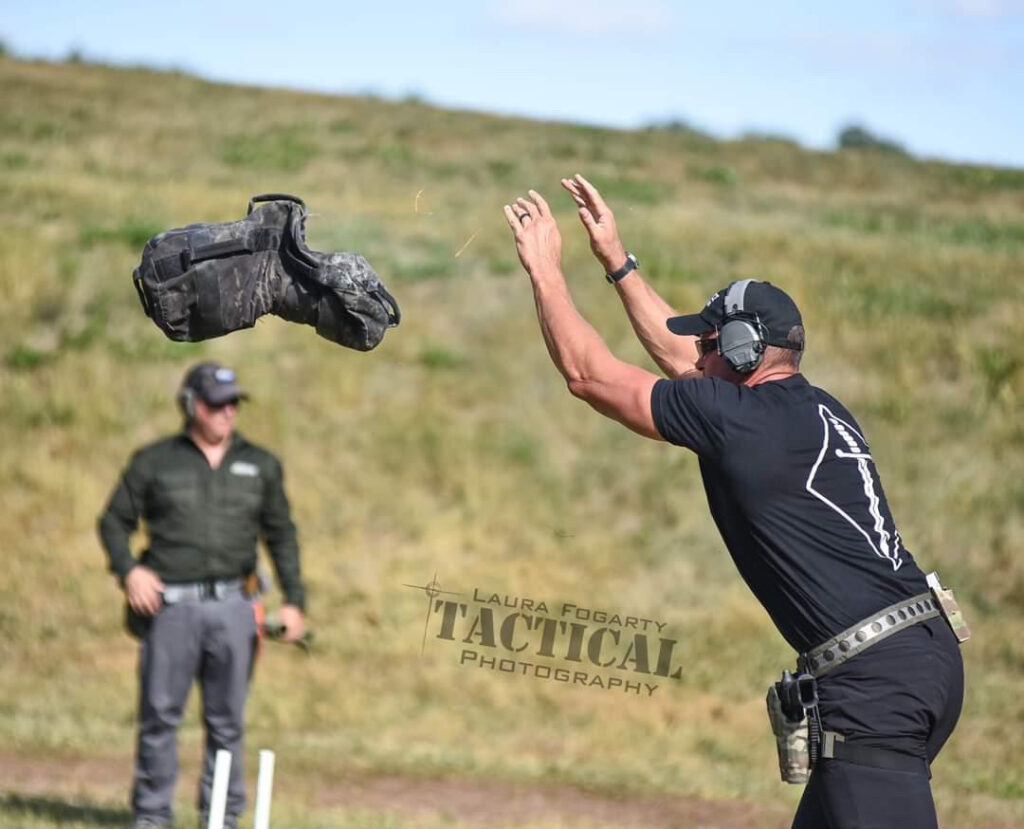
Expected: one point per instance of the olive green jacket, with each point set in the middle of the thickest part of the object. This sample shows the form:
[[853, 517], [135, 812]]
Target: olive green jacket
[[203, 523]]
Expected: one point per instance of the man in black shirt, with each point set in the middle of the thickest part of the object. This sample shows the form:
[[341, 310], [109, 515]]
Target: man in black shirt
[[206, 495], [795, 494]]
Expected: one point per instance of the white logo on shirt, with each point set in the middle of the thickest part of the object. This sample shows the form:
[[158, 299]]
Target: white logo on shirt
[[846, 443], [248, 470]]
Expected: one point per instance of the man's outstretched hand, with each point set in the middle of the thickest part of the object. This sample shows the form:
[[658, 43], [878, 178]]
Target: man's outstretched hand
[[538, 241], [598, 221]]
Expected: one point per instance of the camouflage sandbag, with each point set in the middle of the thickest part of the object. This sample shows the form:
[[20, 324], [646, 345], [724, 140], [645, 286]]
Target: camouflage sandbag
[[207, 280]]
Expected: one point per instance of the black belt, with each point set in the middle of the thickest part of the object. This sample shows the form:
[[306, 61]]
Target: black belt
[[835, 747], [202, 591]]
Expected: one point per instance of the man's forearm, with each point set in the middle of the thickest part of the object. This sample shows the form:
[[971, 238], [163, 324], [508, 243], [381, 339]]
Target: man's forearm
[[647, 313], [571, 341], [646, 310], [283, 547], [592, 373], [289, 576], [119, 555], [115, 527]]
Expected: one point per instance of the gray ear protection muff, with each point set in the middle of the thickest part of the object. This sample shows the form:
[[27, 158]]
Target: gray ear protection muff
[[742, 338], [187, 401]]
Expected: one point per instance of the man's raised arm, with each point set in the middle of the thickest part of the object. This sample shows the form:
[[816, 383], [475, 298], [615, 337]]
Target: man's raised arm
[[646, 310], [616, 389]]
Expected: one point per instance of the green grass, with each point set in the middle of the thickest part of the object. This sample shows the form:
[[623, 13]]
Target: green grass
[[33, 812], [912, 221], [454, 447], [287, 150], [715, 174], [134, 233]]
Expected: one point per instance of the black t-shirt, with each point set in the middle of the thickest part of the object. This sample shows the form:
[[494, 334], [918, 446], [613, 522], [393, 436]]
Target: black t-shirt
[[796, 496]]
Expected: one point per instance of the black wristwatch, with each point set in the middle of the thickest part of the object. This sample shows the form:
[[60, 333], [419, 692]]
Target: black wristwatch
[[631, 265]]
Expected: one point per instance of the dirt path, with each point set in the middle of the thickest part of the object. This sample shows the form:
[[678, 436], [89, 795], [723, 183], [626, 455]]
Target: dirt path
[[484, 802], [495, 803]]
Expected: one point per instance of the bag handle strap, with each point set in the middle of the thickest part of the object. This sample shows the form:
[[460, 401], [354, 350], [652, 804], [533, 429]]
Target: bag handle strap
[[137, 281], [275, 197], [394, 312], [215, 250]]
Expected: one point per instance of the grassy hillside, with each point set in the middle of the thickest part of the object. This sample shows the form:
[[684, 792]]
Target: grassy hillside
[[454, 447]]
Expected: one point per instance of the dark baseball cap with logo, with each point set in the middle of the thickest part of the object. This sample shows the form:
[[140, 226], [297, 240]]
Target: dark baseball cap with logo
[[214, 384], [773, 307]]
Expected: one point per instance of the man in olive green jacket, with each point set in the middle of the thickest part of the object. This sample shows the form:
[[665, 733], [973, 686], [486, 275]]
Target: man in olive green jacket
[[207, 495]]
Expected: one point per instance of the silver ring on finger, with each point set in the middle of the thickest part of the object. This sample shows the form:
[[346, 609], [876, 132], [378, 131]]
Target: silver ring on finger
[[523, 217]]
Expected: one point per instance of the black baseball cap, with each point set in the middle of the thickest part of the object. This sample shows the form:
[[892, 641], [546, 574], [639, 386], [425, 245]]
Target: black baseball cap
[[773, 307], [214, 384]]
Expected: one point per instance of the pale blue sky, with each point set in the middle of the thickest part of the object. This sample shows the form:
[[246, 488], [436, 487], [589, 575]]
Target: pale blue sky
[[943, 77]]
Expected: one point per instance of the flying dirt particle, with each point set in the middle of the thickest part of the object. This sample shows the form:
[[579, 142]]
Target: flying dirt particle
[[458, 253], [416, 205]]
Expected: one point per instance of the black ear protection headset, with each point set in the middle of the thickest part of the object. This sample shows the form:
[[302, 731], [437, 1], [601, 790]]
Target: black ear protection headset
[[742, 337]]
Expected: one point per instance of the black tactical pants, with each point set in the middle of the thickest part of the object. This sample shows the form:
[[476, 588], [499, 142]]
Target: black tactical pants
[[212, 641], [904, 695]]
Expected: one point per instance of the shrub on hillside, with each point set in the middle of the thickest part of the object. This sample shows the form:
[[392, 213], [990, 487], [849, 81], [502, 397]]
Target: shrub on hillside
[[855, 137], [693, 137], [776, 138], [676, 125]]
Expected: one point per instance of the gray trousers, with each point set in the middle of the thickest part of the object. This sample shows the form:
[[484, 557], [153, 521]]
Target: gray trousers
[[210, 641]]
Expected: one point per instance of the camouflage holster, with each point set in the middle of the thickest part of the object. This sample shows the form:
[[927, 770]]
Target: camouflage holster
[[792, 711], [207, 280]]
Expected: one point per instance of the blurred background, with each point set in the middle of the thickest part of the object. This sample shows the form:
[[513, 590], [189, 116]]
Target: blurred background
[[866, 159], [941, 78]]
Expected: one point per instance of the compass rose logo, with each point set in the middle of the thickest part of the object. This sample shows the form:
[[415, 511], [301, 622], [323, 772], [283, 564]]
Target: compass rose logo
[[432, 590]]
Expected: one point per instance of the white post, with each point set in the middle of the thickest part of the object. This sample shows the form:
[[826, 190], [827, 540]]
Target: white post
[[264, 787], [219, 797]]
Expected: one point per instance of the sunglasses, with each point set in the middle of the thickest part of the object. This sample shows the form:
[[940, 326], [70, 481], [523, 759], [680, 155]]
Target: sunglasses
[[705, 347]]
